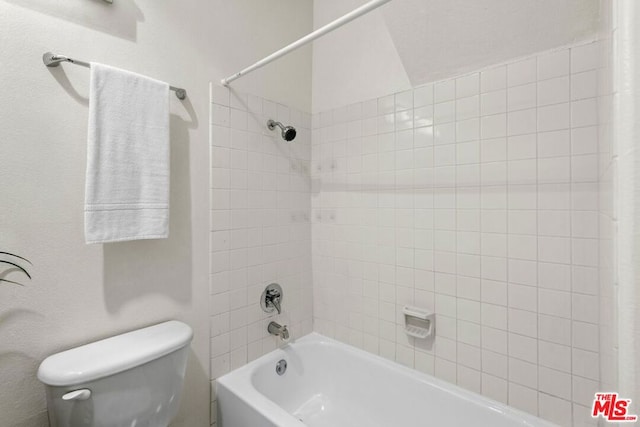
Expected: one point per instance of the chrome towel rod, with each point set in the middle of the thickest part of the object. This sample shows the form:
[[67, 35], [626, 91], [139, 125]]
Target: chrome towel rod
[[51, 60], [356, 13]]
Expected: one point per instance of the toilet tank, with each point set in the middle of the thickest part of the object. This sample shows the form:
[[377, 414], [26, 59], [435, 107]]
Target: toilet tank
[[129, 380]]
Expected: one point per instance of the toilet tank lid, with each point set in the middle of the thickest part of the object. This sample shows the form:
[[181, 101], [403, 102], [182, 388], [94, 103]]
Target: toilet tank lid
[[113, 355]]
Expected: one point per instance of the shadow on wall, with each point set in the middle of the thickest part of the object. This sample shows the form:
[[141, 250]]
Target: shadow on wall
[[63, 80], [162, 266], [12, 368], [119, 19], [21, 387], [195, 372]]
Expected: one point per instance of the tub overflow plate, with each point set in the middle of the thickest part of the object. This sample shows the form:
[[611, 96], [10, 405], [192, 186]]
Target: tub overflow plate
[[281, 367]]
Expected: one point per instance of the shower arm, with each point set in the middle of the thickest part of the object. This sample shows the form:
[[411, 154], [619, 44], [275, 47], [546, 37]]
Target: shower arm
[[271, 124]]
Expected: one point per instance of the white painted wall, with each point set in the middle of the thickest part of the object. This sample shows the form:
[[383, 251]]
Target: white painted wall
[[412, 42], [436, 39], [358, 61], [80, 293]]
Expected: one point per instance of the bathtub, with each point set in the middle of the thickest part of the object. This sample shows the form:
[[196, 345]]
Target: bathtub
[[330, 384]]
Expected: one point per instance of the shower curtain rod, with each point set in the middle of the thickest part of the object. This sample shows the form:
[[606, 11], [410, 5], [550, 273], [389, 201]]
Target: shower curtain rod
[[356, 13]]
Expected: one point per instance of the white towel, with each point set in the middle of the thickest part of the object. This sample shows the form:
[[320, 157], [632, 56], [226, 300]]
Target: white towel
[[127, 187]]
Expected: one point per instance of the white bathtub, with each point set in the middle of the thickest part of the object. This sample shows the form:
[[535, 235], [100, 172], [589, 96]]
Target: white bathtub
[[331, 384]]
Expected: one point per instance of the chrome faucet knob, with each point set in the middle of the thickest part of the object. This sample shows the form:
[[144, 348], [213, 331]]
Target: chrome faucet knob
[[271, 299]]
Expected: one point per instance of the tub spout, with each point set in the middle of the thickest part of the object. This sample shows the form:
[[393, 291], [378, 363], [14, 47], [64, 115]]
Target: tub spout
[[278, 330]]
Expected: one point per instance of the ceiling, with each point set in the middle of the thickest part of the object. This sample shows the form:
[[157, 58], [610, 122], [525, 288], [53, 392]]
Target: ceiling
[[437, 38]]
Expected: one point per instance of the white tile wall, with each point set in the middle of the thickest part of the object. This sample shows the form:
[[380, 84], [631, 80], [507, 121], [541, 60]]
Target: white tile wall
[[260, 226], [476, 197]]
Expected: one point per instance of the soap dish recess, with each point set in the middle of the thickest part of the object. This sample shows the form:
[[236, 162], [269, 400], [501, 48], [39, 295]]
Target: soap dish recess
[[418, 322]]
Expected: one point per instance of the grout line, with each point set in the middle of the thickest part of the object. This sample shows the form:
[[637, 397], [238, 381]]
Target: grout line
[[507, 187], [538, 249], [571, 252]]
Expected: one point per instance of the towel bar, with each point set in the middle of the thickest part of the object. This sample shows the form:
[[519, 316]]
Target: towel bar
[[51, 60]]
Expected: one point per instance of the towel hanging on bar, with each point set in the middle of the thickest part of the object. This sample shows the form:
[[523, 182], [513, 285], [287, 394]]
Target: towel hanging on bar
[[127, 185]]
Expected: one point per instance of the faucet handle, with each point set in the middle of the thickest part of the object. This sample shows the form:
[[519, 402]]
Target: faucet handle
[[271, 298], [272, 293]]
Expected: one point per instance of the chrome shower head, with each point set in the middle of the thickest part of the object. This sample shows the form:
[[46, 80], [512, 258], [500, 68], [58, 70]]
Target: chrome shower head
[[288, 132]]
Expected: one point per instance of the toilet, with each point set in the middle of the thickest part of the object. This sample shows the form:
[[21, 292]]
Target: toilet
[[129, 380]]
